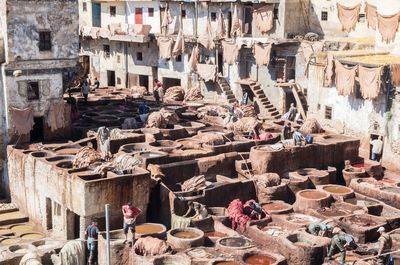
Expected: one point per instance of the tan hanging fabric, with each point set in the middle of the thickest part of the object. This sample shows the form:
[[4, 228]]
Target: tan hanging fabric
[[194, 58], [345, 78], [328, 70], [208, 72], [370, 81], [167, 19], [104, 33], [265, 18], [22, 120], [230, 52], [220, 33], [55, 115], [207, 39], [387, 26], [348, 16], [309, 48], [395, 73], [371, 15], [179, 46], [262, 53], [165, 46], [236, 30]]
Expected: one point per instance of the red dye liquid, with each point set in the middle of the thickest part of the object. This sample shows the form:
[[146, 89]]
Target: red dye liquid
[[360, 165], [260, 260]]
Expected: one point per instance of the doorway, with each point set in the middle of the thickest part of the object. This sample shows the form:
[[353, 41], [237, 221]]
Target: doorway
[[289, 99], [49, 214], [37, 133], [170, 82], [96, 15], [111, 78], [220, 63], [373, 137], [138, 16], [144, 81], [85, 64]]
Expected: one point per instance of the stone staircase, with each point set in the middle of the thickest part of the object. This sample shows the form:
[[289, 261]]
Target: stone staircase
[[224, 85]]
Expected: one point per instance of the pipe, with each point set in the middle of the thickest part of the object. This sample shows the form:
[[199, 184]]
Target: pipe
[[107, 206], [196, 18]]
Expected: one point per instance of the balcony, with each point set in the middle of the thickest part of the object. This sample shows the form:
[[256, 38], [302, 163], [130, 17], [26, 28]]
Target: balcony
[[119, 32]]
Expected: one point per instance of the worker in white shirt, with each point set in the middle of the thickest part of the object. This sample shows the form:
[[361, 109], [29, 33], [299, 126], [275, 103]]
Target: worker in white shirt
[[377, 146]]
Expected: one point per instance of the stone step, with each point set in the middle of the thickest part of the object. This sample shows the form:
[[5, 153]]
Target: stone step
[[12, 217], [256, 88], [263, 96], [231, 96], [274, 113]]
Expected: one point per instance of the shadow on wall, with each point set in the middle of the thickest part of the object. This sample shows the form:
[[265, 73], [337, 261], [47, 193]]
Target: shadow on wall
[[314, 22]]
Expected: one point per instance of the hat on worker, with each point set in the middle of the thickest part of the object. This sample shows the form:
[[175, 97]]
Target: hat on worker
[[381, 229], [336, 230]]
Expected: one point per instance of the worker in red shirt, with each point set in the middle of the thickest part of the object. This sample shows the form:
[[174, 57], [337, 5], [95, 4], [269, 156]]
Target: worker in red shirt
[[130, 213]]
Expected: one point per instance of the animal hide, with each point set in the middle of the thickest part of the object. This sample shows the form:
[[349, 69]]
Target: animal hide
[[348, 16], [387, 26], [265, 18], [370, 81], [150, 246], [345, 78]]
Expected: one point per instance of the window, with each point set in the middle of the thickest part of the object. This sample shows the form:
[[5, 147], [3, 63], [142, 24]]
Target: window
[[328, 112], [213, 16], [139, 56], [324, 15], [118, 59], [151, 12], [113, 11], [178, 58], [106, 49], [183, 13], [118, 80], [45, 41], [33, 90], [84, 7], [361, 18], [276, 13]]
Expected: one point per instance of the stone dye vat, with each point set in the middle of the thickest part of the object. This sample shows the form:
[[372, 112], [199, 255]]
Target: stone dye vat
[[182, 238], [151, 229], [337, 191], [353, 173], [263, 258], [311, 199], [277, 207], [317, 177], [233, 244]]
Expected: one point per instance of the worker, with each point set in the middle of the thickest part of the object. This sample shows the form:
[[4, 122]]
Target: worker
[[158, 92], [297, 137], [286, 131], [85, 90], [234, 112], [92, 234], [385, 246], [340, 241], [319, 229], [291, 114], [200, 211], [130, 214], [254, 210], [96, 84], [377, 146], [143, 108]]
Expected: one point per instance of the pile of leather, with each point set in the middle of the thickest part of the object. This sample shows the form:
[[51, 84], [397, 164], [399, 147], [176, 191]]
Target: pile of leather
[[175, 93], [193, 94], [85, 157], [194, 184]]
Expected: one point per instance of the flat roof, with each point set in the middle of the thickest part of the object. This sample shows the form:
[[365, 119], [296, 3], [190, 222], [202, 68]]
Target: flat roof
[[374, 59]]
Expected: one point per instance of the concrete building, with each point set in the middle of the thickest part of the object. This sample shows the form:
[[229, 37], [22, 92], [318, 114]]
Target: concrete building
[[38, 56]]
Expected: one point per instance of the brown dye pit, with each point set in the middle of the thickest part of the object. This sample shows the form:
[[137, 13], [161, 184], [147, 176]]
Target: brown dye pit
[[361, 165], [148, 229], [21, 228], [331, 212], [259, 260], [226, 263], [360, 221], [9, 241], [337, 189], [215, 234], [274, 206], [315, 195], [186, 234], [32, 236]]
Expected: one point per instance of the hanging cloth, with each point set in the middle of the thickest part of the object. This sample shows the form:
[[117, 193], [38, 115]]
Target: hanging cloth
[[395, 73], [194, 58], [371, 15], [309, 48], [206, 39], [167, 19], [262, 53], [179, 46], [208, 72], [220, 33], [265, 18], [230, 52], [236, 30], [370, 81], [387, 26], [22, 119], [328, 70], [348, 16], [55, 115], [165, 46], [345, 78]]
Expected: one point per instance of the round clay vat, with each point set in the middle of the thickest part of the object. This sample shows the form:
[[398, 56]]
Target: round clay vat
[[312, 199], [277, 207], [374, 207], [222, 148], [338, 190], [332, 174], [21, 248], [297, 182], [317, 177], [213, 236], [135, 147], [177, 132], [353, 172], [151, 229], [224, 262], [192, 127], [107, 120], [372, 168], [218, 213], [21, 228], [266, 159], [9, 241], [40, 154], [262, 258], [165, 145], [301, 219], [172, 260], [225, 133], [183, 238], [57, 158], [64, 165], [232, 244], [32, 236]]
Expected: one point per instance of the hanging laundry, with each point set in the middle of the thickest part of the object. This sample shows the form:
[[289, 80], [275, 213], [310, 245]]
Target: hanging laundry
[[179, 46], [370, 81], [348, 16], [55, 115], [114, 27], [208, 72], [345, 78], [328, 70], [94, 32], [309, 48], [265, 18], [262, 53], [220, 33], [22, 119], [236, 30], [167, 19], [395, 73], [387, 26], [85, 31], [207, 39], [104, 33], [165, 46], [194, 58], [230, 52], [371, 15]]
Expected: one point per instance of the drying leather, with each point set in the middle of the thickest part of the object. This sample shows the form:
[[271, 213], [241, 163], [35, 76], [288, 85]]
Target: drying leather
[[387, 26], [345, 78], [265, 18], [230, 51], [348, 16], [262, 53], [22, 119], [370, 81]]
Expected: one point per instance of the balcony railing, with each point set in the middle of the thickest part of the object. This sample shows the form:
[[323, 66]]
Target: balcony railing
[[118, 32]]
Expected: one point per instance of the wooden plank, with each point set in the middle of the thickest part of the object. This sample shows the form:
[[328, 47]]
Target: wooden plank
[[298, 101]]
